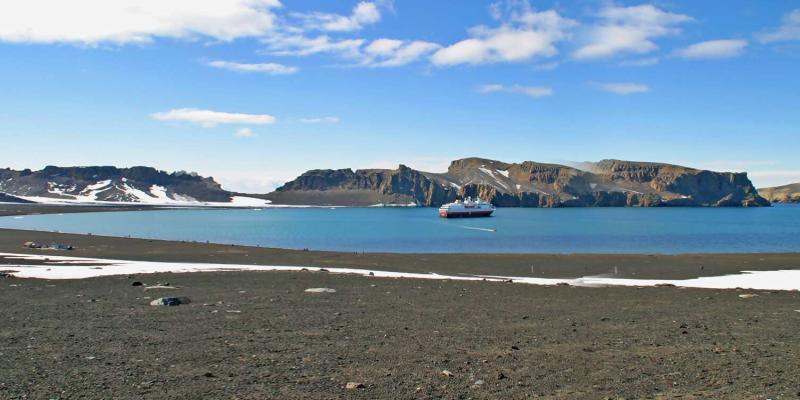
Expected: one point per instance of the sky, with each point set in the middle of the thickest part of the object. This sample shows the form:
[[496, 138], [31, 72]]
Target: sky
[[255, 92]]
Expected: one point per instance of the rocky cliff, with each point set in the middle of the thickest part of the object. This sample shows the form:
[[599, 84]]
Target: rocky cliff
[[608, 183], [782, 194], [110, 184]]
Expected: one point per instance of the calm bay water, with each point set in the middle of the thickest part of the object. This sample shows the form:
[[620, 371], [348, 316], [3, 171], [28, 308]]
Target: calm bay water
[[575, 230]]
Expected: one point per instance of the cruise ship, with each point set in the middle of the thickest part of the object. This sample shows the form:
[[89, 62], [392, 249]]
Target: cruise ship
[[466, 209]]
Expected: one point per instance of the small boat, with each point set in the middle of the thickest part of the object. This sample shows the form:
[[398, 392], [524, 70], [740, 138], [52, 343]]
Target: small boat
[[466, 209]]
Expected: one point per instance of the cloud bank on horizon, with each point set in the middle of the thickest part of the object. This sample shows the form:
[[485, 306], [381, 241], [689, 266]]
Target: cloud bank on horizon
[[500, 53]]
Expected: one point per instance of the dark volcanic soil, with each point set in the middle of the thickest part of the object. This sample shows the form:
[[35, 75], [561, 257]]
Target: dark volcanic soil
[[260, 336]]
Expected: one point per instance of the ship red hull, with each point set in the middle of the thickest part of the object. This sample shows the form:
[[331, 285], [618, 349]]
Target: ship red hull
[[465, 214]]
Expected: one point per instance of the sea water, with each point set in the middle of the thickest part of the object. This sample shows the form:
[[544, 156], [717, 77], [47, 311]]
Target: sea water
[[509, 230]]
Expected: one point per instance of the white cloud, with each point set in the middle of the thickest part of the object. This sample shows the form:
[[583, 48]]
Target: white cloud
[[208, 118], [364, 13], [320, 120], [244, 132], [267, 68], [789, 30], [378, 53], [732, 165], [623, 88], [546, 66], [713, 49], [531, 91], [774, 178], [394, 53], [641, 62], [91, 22], [300, 45], [629, 30], [525, 35]]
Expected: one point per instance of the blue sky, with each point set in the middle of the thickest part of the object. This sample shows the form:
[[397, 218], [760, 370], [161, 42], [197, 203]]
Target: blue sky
[[254, 92]]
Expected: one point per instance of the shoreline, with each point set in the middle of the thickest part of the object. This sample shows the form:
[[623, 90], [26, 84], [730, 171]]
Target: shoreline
[[528, 265]]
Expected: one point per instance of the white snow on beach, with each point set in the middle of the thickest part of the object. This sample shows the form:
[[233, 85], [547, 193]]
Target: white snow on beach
[[61, 267]]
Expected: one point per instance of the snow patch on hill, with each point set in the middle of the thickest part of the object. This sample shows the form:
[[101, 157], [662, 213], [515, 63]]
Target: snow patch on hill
[[156, 195]]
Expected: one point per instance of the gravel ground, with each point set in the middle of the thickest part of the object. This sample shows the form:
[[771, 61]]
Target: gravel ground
[[257, 335]]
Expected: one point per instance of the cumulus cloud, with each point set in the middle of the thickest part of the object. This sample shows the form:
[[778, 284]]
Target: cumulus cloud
[[623, 88], [244, 132], [531, 91], [525, 34], [91, 22], [789, 29], [713, 49], [363, 14], [320, 120], [629, 30], [267, 68], [208, 118]]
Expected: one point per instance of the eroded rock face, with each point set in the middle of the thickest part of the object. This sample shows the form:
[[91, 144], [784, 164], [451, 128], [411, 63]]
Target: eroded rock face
[[608, 183]]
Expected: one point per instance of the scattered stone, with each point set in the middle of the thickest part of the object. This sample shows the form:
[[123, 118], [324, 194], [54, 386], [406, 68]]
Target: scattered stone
[[323, 270], [161, 287], [562, 284], [371, 273], [477, 383], [170, 301], [514, 348], [748, 295], [320, 290], [665, 285], [447, 373], [501, 376], [354, 385], [208, 375], [137, 283]]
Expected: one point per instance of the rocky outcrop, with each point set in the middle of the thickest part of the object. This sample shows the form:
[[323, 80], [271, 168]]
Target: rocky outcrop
[[5, 198], [608, 183], [782, 194], [364, 187], [111, 184]]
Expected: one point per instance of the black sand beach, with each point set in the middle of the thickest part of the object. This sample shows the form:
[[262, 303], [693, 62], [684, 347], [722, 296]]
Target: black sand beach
[[259, 335]]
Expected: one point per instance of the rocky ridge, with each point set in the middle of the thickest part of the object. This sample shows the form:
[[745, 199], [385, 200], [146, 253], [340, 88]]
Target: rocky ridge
[[608, 183], [109, 184]]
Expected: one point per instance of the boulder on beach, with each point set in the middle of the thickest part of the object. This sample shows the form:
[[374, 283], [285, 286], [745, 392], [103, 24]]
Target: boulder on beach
[[320, 290], [170, 301]]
